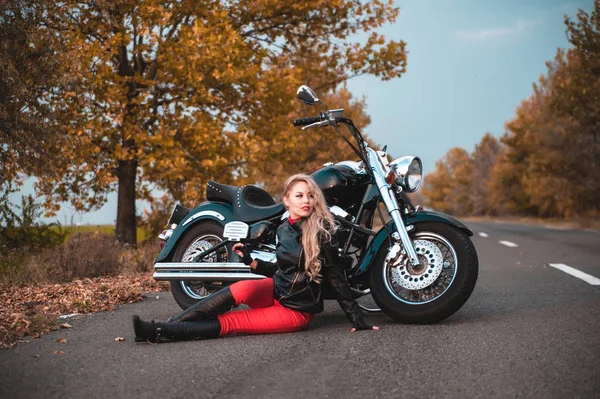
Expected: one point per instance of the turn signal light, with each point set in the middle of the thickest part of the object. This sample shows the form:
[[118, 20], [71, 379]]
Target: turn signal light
[[391, 177]]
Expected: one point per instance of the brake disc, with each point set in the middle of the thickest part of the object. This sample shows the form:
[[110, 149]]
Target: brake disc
[[421, 276]]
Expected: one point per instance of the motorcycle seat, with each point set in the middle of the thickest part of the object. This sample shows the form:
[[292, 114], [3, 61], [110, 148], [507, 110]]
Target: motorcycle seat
[[250, 203]]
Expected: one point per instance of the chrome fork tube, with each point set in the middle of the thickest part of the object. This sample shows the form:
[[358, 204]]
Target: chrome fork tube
[[391, 204]]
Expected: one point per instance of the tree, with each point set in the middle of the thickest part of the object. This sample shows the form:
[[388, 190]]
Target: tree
[[484, 158], [447, 188], [30, 66], [548, 168], [576, 100], [515, 176], [179, 92]]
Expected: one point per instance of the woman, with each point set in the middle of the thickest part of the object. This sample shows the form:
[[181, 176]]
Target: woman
[[291, 294]]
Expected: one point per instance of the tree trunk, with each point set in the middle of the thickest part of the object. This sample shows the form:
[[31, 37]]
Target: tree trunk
[[126, 225]]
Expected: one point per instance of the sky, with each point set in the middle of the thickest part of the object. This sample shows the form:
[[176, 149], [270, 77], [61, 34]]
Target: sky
[[470, 64]]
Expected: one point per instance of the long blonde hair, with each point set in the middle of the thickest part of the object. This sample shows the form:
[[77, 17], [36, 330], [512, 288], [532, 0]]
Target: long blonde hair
[[316, 228]]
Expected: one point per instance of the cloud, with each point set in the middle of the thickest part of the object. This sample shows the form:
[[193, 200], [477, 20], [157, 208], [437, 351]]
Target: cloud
[[494, 33]]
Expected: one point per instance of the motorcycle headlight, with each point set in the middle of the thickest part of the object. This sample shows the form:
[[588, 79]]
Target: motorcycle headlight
[[409, 172]]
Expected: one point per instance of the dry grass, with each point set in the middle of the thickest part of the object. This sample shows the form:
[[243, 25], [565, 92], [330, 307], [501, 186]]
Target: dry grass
[[83, 255]]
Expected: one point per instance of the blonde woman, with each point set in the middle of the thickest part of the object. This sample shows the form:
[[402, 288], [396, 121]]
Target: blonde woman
[[291, 294]]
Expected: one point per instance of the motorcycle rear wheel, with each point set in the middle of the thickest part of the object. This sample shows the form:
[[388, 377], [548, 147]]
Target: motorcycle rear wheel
[[199, 238], [407, 301]]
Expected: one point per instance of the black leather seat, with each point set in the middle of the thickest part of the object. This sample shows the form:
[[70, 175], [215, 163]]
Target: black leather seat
[[250, 203]]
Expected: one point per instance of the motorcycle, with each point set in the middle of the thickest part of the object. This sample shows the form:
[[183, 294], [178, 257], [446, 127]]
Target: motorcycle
[[420, 266]]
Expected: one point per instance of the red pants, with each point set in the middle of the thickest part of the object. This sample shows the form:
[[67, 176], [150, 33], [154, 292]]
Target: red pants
[[265, 316]]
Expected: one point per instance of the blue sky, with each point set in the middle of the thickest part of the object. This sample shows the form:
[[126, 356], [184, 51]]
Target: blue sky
[[470, 64]]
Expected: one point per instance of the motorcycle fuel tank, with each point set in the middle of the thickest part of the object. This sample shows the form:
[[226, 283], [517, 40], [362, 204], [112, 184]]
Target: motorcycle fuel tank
[[341, 185]]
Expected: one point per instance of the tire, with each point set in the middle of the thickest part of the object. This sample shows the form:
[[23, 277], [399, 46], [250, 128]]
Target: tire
[[202, 234], [402, 299]]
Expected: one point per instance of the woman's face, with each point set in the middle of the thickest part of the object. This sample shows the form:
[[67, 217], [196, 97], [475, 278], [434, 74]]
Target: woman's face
[[299, 200]]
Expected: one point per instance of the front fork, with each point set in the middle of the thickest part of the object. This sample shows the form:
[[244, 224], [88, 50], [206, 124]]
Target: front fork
[[391, 204]]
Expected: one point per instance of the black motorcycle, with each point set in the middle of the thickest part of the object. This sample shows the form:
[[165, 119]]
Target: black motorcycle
[[420, 267]]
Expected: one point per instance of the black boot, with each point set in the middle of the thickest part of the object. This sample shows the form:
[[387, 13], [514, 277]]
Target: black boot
[[156, 331], [144, 330], [209, 307], [189, 330]]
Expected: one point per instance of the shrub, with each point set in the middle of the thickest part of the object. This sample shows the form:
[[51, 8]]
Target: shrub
[[83, 255], [22, 234], [25, 233], [153, 221], [140, 259]]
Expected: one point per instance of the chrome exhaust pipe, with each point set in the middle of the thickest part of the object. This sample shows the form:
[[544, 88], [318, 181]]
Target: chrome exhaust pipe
[[210, 272]]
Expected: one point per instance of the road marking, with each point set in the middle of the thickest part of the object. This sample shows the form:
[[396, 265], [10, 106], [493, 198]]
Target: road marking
[[557, 227], [588, 278], [508, 244], [592, 230], [482, 234]]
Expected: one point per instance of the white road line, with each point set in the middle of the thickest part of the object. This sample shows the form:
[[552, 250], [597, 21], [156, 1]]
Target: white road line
[[557, 227], [482, 234], [508, 244], [588, 278]]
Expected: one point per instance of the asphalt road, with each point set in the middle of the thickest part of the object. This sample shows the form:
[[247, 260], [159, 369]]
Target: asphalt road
[[528, 330]]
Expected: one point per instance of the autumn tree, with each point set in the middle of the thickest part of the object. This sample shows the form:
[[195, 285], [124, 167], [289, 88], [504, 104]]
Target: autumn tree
[[447, 188], [30, 67], [552, 144], [174, 93], [575, 99], [527, 175], [506, 184], [484, 158]]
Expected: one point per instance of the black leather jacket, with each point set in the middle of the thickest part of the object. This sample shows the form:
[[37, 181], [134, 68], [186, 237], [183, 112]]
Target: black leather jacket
[[293, 288]]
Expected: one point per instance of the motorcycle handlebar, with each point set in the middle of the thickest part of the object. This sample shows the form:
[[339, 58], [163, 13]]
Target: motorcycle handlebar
[[355, 133], [307, 121]]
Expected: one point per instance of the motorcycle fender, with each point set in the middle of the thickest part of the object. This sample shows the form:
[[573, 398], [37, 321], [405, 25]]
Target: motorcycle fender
[[410, 219], [433, 216], [220, 212]]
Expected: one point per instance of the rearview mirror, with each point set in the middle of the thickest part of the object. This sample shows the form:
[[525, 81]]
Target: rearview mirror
[[263, 231], [307, 96]]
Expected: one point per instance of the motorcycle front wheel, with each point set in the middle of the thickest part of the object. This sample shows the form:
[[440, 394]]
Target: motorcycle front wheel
[[435, 289], [199, 238]]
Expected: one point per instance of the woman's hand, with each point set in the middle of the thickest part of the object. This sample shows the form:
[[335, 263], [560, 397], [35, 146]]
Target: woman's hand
[[360, 324], [243, 253]]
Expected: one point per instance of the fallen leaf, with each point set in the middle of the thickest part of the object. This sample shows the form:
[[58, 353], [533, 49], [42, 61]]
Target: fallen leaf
[[119, 339], [32, 310], [58, 352], [62, 340]]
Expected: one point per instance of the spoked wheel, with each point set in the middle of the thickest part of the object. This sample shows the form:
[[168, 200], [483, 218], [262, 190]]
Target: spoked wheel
[[436, 288], [200, 238]]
